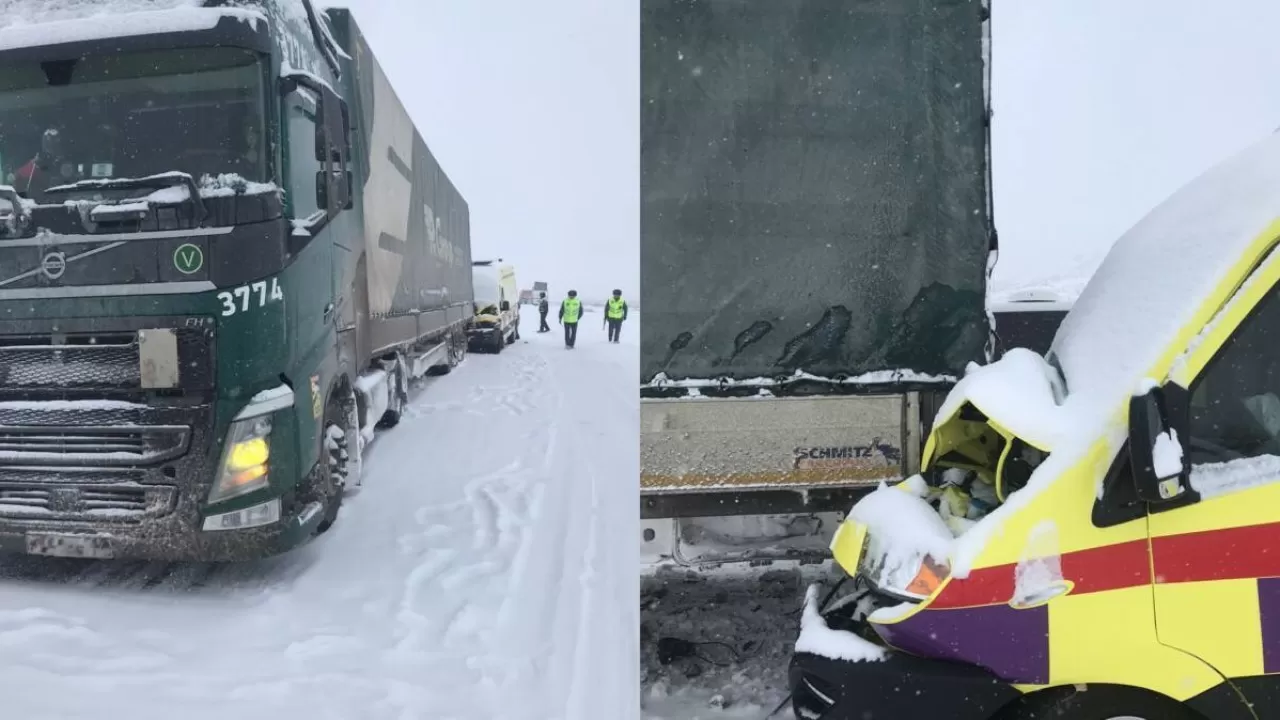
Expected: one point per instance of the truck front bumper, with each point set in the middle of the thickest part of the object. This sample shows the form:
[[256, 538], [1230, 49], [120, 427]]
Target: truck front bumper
[[172, 538], [900, 686]]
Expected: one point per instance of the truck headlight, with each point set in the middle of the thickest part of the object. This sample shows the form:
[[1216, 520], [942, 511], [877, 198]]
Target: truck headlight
[[244, 459]]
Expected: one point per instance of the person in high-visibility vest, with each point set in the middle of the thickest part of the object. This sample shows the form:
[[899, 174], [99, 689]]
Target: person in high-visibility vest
[[615, 311], [570, 314]]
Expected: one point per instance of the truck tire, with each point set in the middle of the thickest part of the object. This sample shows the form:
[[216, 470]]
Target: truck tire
[[329, 484], [500, 341], [1097, 702], [458, 346]]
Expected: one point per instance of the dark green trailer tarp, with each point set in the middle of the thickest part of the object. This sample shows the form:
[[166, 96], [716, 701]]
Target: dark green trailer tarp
[[814, 187]]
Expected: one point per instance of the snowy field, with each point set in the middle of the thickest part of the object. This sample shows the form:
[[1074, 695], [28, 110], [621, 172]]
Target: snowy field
[[744, 623], [476, 575]]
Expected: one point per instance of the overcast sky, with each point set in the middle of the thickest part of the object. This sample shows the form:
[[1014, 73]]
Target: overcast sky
[[1102, 108], [1105, 107], [532, 108]]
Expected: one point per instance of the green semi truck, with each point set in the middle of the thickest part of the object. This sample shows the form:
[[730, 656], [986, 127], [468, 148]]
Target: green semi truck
[[225, 251]]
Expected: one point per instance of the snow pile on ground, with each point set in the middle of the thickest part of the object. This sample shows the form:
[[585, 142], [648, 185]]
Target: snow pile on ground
[[747, 619], [475, 575]]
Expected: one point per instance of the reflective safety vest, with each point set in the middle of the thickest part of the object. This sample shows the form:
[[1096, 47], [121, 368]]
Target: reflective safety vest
[[614, 311], [572, 310]]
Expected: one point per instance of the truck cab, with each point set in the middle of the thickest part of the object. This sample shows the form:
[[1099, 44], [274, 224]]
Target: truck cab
[[497, 308], [184, 302], [1094, 531]]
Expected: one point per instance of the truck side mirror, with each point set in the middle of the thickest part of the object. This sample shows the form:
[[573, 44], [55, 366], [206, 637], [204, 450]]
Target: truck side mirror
[[506, 305], [1157, 460]]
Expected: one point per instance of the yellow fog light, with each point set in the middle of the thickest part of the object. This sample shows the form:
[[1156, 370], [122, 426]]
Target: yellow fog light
[[248, 454], [244, 459]]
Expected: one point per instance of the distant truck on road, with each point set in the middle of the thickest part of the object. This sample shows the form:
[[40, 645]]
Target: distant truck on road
[[216, 279]]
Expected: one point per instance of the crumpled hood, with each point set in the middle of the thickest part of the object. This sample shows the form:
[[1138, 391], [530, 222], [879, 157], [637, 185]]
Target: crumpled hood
[[1016, 393]]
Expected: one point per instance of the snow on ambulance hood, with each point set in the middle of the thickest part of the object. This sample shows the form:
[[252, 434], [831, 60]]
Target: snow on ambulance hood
[[1146, 292], [1016, 392], [1157, 275]]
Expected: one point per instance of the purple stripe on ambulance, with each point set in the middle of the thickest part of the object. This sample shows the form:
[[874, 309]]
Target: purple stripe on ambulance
[[1269, 611], [1012, 644]]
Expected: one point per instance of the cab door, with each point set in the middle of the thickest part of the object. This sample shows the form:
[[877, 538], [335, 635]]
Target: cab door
[[1216, 560]]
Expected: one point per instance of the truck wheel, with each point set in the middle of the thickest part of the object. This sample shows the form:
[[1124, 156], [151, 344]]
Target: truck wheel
[[499, 342], [329, 485], [457, 351], [1097, 702]]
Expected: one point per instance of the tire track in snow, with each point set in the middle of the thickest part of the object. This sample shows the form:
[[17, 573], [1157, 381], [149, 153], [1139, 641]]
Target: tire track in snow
[[440, 606]]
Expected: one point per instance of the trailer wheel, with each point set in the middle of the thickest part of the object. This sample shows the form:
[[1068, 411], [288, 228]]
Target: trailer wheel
[[458, 346], [1097, 702]]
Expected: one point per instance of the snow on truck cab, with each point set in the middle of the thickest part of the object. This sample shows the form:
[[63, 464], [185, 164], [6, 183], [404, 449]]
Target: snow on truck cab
[[497, 313], [1095, 532], [225, 252]]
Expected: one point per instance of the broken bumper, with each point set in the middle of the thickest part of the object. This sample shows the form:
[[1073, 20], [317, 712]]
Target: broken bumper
[[900, 686]]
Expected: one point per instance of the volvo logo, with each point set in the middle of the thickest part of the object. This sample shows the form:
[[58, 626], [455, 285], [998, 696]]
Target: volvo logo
[[53, 265]]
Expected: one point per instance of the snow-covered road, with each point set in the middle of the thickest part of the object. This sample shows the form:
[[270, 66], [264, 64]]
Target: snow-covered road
[[743, 621], [476, 575]]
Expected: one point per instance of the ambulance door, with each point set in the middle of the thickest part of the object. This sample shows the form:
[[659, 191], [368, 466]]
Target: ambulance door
[[1216, 561]]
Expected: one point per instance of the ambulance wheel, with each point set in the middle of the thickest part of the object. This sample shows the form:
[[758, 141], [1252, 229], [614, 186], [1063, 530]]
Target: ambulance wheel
[[1098, 702]]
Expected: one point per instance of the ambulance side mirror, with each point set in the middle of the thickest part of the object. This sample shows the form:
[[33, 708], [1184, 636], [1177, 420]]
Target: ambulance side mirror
[[1157, 459]]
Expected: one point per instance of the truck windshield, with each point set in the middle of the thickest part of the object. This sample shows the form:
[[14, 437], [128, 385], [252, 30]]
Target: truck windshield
[[129, 115]]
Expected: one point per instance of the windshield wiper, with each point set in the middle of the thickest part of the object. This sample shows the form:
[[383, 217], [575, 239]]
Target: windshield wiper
[[153, 182]]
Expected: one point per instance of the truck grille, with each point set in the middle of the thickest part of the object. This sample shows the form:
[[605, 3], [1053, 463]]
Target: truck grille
[[124, 446], [124, 503], [107, 361]]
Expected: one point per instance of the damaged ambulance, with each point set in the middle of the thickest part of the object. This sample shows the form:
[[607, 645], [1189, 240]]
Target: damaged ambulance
[[1091, 534]]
